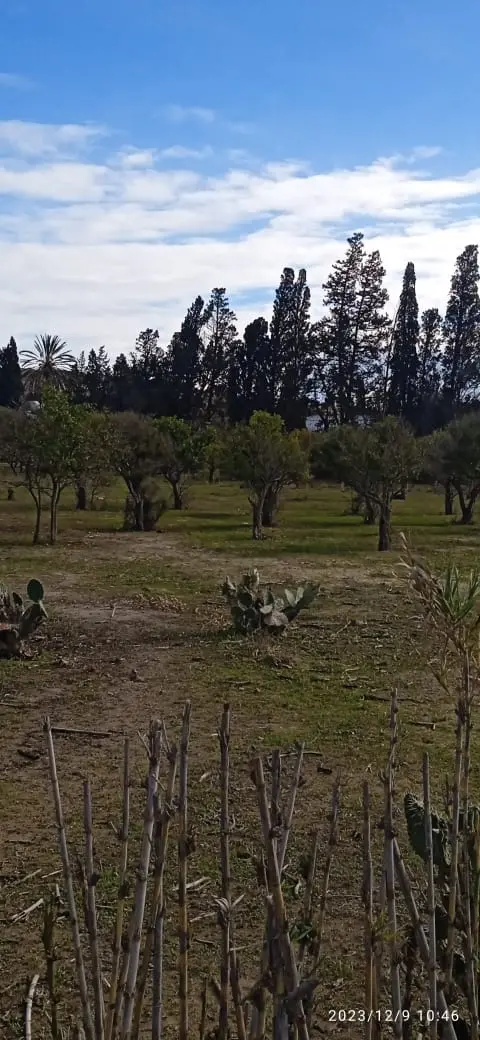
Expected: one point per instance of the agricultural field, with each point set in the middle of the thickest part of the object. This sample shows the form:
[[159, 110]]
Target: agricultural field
[[137, 625]]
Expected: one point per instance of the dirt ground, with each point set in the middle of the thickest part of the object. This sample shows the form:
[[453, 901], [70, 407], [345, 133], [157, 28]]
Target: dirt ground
[[131, 639]]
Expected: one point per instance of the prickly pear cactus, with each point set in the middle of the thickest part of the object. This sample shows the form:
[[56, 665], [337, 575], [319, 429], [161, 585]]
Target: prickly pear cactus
[[415, 817], [254, 608], [17, 621]]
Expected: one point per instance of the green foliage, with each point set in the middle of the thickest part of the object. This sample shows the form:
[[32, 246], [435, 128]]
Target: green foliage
[[453, 456], [266, 459], [181, 454], [255, 609], [17, 621]]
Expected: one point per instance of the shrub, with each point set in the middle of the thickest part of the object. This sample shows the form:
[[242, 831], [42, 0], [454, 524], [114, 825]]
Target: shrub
[[255, 609], [18, 622]]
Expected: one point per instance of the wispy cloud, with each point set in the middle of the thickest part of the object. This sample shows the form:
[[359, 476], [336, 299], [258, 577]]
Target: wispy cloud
[[178, 151], [185, 113], [15, 81], [100, 248], [45, 139]]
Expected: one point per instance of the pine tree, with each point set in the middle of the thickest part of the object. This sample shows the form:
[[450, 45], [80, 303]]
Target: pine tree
[[182, 363], [280, 330], [247, 389], [218, 343], [404, 364], [146, 373], [295, 352], [121, 396], [11, 383], [429, 354], [461, 330], [351, 338], [96, 378]]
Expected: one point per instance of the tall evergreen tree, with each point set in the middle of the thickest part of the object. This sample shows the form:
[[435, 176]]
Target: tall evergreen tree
[[280, 330], [218, 343], [295, 352], [247, 387], [121, 396], [429, 353], [351, 338], [11, 383], [182, 363], [96, 379], [404, 364], [461, 331], [147, 373]]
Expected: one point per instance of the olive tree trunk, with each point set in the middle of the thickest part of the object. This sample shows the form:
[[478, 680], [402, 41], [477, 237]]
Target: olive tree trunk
[[385, 525]]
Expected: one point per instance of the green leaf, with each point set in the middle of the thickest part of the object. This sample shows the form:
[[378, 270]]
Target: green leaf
[[267, 609], [35, 591], [276, 619]]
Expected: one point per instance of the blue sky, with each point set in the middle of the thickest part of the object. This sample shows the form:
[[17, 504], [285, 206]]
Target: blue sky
[[151, 150]]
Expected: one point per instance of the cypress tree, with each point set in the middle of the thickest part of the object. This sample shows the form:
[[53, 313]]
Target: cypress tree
[[461, 331], [11, 383], [404, 363]]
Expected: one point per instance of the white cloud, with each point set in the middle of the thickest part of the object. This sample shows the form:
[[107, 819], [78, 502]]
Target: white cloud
[[14, 81], [42, 139], [185, 113], [179, 151], [97, 250]]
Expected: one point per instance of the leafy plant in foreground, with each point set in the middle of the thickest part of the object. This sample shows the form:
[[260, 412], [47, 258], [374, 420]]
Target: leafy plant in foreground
[[17, 621], [254, 608]]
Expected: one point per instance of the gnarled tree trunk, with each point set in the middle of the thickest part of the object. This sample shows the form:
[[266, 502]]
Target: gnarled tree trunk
[[270, 508], [385, 526], [449, 497], [81, 502]]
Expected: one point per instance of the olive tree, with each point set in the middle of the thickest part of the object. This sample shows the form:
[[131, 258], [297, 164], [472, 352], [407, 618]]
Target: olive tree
[[182, 454], [135, 457], [452, 457], [376, 462], [266, 459]]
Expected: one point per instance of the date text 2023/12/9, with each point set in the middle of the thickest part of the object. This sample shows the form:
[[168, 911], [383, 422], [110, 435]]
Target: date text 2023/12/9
[[343, 1016]]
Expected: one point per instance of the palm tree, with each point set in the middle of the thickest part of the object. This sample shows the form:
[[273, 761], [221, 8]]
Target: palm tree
[[49, 362]]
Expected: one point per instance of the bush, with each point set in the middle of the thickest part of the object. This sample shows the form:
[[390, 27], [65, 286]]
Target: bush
[[255, 609]]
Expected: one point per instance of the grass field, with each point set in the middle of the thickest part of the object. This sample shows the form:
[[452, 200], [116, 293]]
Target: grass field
[[327, 682]]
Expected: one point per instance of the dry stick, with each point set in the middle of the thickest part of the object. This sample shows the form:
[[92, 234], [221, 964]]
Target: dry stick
[[404, 882], [142, 878], [154, 936], [281, 923], [203, 1011], [68, 879], [281, 845], [288, 816], [308, 898], [368, 907], [332, 841], [92, 913], [224, 914], [157, 977], [432, 966], [452, 899], [259, 1008], [183, 932], [121, 895], [28, 1007], [390, 874], [470, 941], [229, 966], [48, 940], [378, 956]]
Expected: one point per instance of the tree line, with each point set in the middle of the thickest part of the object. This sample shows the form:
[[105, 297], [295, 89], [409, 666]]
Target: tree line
[[355, 365]]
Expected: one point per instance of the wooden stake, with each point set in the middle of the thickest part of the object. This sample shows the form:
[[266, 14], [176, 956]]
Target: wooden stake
[[121, 895], [68, 880], [432, 966], [183, 928], [142, 878], [92, 913]]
